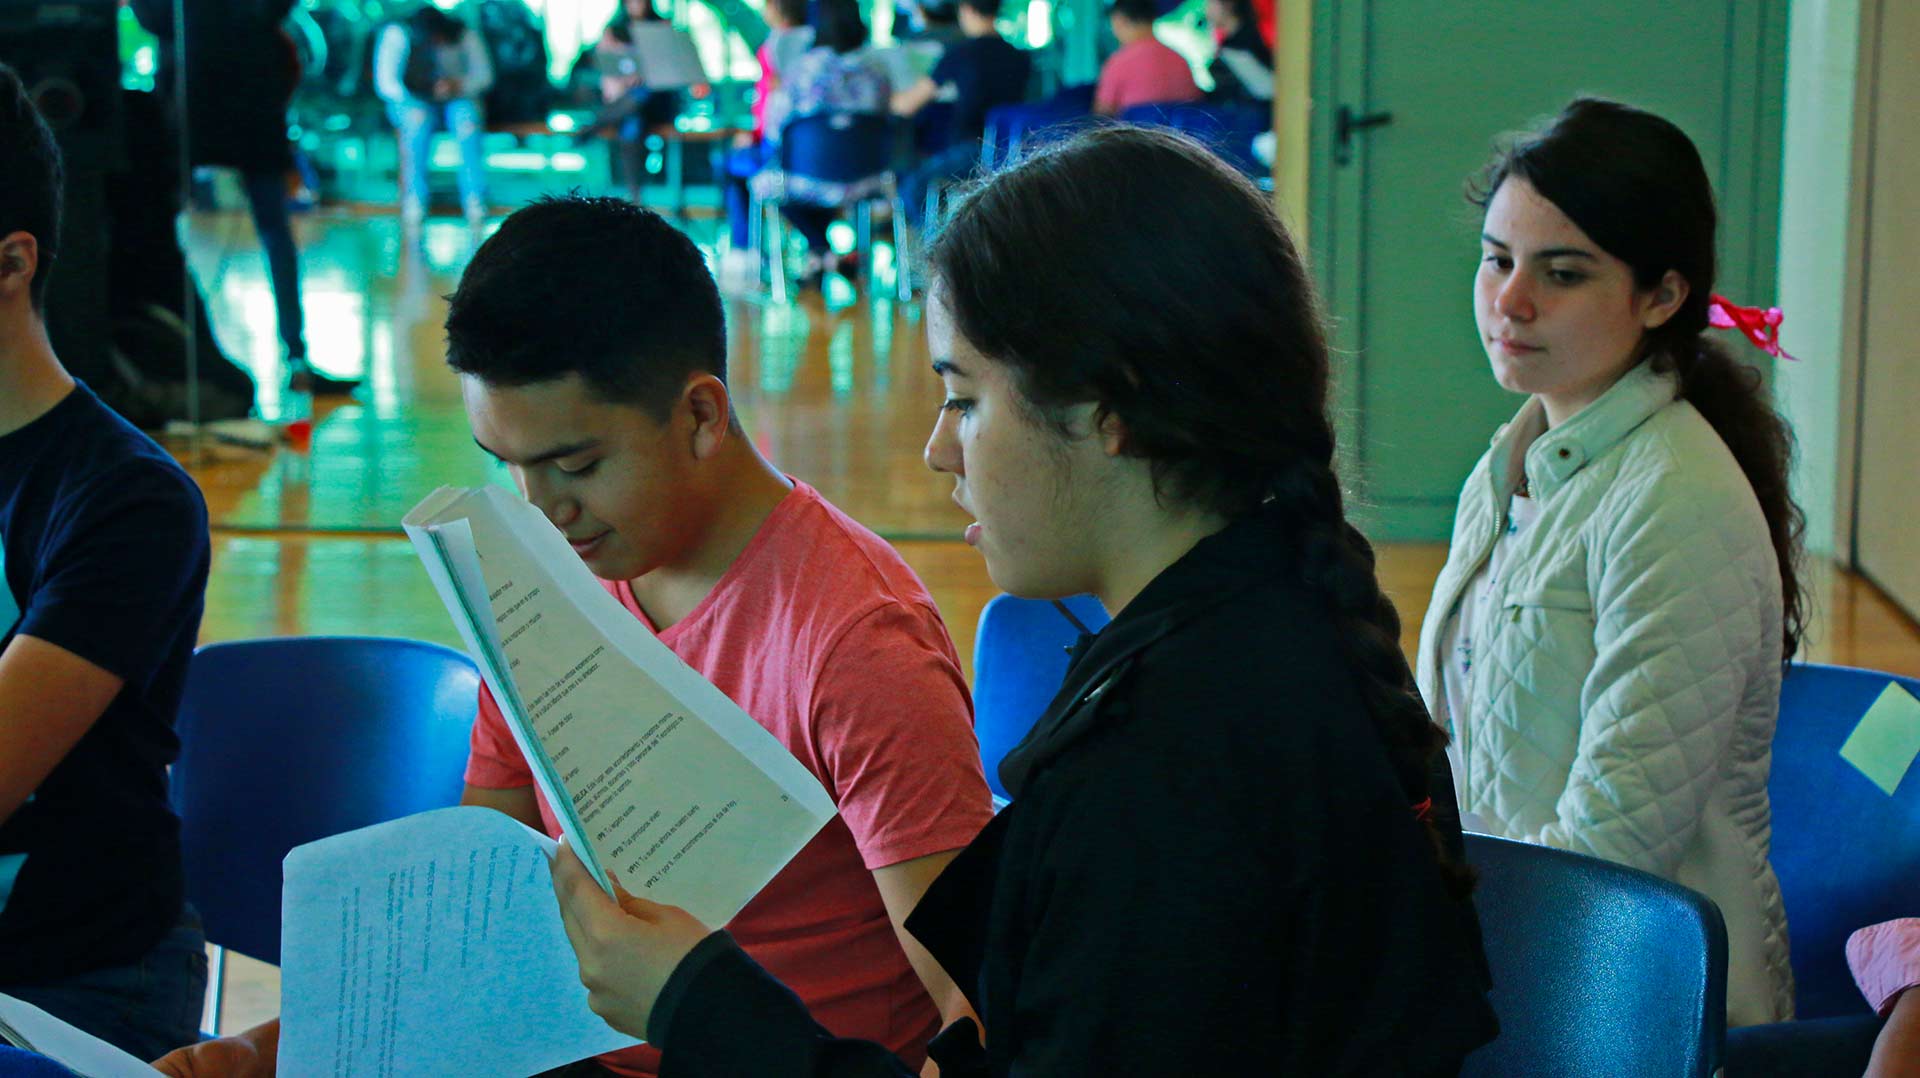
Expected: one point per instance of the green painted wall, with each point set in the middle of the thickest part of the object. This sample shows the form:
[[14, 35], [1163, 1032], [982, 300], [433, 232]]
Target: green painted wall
[[1394, 243]]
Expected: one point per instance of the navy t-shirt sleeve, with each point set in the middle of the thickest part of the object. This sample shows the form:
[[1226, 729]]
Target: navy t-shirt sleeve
[[126, 555]]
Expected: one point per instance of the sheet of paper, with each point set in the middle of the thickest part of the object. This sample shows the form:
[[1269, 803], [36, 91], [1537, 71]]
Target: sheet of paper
[[666, 57], [79, 1051], [430, 946], [1887, 739], [667, 781]]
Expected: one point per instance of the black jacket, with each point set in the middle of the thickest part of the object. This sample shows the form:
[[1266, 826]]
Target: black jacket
[[241, 73], [1208, 869], [1242, 70]]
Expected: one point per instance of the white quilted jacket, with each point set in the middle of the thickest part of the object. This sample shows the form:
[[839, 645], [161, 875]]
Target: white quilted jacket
[[1626, 673]]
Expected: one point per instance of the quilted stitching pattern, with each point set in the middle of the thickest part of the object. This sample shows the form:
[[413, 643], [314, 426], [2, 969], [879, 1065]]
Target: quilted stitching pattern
[[1620, 705]]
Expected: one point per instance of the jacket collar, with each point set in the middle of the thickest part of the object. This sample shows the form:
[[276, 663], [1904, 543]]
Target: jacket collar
[[1557, 455], [1218, 568]]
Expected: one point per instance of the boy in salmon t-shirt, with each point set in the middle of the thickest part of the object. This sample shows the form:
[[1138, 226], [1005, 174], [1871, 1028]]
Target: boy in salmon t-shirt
[[1143, 70], [592, 352]]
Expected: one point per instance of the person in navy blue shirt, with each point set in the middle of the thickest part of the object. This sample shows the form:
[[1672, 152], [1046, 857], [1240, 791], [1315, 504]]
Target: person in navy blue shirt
[[104, 543], [981, 71]]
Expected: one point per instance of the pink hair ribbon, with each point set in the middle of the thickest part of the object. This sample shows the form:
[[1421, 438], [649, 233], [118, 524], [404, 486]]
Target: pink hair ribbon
[[1762, 327]]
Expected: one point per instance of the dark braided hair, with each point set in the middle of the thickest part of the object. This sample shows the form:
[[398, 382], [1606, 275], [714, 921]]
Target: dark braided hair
[[1634, 183], [1131, 268]]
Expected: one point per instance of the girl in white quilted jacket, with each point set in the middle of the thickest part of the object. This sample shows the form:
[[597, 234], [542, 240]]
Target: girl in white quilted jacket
[[1607, 639]]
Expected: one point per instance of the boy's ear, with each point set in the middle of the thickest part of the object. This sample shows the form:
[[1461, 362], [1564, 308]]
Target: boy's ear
[[19, 260], [706, 401]]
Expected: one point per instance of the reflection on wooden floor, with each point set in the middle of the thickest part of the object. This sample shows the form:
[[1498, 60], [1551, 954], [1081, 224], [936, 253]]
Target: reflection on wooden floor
[[834, 390]]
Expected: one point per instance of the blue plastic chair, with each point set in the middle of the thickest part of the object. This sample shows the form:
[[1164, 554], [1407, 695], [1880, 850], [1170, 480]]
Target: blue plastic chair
[[837, 147], [19, 1063], [1012, 130], [1019, 661], [1598, 969], [291, 740], [1847, 854], [1228, 132]]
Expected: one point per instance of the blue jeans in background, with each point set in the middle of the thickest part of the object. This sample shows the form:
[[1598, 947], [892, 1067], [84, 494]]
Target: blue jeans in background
[[416, 121], [742, 165], [267, 198], [145, 1009], [1817, 1048]]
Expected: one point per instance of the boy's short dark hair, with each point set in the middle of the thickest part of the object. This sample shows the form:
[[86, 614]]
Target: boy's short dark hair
[[591, 286], [838, 25], [31, 177], [1144, 12], [986, 8], [793, 11]]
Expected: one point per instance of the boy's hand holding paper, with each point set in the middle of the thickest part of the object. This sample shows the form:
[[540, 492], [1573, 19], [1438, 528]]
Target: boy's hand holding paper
[[628, 947]]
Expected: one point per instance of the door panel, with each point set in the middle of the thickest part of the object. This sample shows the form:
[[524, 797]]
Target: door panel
[[1397, 242], [1887, 521]]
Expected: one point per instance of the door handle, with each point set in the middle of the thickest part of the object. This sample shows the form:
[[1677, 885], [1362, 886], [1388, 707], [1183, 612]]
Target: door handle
[[1345, 123]]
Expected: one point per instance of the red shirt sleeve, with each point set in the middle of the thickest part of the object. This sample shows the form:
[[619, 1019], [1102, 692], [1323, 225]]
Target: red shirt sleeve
[[493, 758], [893, 724], [1106, 92]]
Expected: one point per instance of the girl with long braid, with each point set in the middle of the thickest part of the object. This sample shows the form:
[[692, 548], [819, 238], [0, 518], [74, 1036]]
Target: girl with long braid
[[1232, 847], [1607, 639]]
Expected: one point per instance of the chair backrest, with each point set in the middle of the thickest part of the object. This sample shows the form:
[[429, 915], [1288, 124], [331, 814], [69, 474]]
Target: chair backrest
[[291, 740], [1019, 660], [1011, 130], [837, 147], [1597, 968], [1227, 131], [1847, 854]]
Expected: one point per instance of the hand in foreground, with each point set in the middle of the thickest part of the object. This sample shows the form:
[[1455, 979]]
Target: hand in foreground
[[627, 951], [228, 1057]]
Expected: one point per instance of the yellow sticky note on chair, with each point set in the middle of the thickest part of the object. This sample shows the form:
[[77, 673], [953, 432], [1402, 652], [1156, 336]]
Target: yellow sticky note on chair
[[1887, 739]]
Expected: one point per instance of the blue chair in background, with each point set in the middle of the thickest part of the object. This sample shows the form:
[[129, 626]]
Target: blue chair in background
[[1015, 129], [1228, 131], [1598, 969], [19, 1063], [286, 741], [1847, 854], [1019, 661], [852, 148]]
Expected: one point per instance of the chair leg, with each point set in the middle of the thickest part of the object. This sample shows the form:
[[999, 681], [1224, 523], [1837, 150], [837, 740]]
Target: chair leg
[[776, 232], [903, 254], [863, 232], [756, 230]]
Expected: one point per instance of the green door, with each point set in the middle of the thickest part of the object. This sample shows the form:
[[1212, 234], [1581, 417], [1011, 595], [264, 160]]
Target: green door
[[1428, 85]]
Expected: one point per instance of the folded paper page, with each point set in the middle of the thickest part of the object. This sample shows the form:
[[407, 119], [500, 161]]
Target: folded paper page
[[653, 773], [24, 1025]]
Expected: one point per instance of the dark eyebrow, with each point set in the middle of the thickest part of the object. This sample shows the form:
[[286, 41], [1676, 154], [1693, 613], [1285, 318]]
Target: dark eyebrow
[[944, 367], [542, 457], [1551, 252]]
